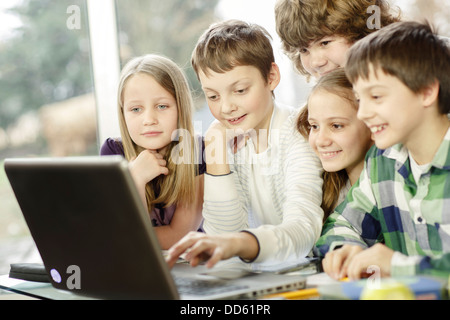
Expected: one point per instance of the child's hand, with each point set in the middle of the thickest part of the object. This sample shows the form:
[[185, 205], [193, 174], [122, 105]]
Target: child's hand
[[353, 261], [336, 262], [201, 247], [216, 149], [378, 255], [217, 134], [221, 136], [147, 166], [215, 128]]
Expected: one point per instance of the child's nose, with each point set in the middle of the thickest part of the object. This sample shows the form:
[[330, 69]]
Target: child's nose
[[228, 106], [323, 138], [150, 117], [317, 59], [364, 111]]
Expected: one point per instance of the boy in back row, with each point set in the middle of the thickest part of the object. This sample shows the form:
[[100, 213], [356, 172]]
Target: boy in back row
[[397, 217]]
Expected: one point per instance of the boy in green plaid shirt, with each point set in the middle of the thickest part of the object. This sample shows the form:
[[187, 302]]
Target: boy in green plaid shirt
[[397, 217]]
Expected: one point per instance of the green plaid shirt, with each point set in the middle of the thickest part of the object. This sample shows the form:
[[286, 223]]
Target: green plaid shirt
[[387, 205]]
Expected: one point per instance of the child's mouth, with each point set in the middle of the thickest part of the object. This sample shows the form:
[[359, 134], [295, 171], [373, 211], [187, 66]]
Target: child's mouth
[[237, 120], [378, 129]]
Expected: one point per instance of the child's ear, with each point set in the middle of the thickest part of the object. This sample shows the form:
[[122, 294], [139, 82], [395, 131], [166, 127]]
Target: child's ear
[[274, 76], [430, 94]]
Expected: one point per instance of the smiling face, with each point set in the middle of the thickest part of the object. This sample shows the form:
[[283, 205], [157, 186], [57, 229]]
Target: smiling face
[[150, 112], [324, 55], [241, 99], [336, 135], [390, 109]]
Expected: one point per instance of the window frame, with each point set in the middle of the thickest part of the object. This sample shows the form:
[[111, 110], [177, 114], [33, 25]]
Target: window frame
[[105, 65]]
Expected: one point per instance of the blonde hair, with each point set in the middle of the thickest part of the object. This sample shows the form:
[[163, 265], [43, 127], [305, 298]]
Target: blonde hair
[[336, 83], [300, 22], [178, 186]]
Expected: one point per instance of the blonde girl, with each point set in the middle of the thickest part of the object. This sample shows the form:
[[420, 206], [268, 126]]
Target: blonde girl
[[154, 107]]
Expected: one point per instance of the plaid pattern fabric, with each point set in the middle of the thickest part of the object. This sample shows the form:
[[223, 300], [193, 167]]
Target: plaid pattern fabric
[[387, 205]]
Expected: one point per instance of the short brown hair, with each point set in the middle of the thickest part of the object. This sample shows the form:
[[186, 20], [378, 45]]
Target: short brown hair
[[410, 51], [300, 22], [232, 43]]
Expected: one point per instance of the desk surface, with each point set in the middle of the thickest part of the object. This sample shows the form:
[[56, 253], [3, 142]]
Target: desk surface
[[36, 290], [21, 289], [43, 290]]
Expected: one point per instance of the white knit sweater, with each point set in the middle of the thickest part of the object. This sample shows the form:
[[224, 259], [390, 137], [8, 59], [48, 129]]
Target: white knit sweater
[[293, 183]]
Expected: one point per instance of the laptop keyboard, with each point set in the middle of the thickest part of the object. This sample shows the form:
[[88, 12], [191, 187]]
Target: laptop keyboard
[[204, 287]]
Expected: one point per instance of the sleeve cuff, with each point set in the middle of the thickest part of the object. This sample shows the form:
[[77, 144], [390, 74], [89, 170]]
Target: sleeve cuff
[[259, 248], [403, 265], [220, 187], [266, 243]]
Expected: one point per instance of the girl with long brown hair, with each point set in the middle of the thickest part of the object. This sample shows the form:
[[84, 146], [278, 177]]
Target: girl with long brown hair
[[338, 137]]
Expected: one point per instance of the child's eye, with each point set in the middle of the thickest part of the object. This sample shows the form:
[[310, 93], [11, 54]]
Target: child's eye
[[241, 91], [313, 127], [162, 106], [212, 97], [135, 109], [375, 97], [337, 126], [303, 51], [325, 43]]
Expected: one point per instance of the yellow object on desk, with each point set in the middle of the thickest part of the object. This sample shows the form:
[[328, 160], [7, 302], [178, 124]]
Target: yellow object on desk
[[387, 290], [296, 295], [299, 294]]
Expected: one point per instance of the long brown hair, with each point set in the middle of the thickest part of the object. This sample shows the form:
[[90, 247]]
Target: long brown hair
[[336, 83]]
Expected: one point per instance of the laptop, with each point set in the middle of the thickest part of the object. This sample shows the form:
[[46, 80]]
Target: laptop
[[96, 239]]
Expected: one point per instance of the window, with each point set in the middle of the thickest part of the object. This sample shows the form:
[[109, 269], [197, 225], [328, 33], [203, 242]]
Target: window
[[435, 11], [47, 98]]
